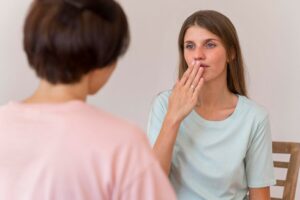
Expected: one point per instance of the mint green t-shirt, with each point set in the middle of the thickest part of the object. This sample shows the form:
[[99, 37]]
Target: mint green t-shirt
[[218, 160]]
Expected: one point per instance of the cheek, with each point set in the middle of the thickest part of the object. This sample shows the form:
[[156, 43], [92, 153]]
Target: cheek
[[188, 58], [220, 59]]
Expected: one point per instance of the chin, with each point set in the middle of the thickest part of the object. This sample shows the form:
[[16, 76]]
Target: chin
[[206, 77]]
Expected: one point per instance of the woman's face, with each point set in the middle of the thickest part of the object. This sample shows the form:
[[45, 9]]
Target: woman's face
[[204, 46]]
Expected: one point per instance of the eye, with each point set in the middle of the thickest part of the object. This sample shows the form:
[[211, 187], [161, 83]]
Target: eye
[[210, 45], [189, 46]]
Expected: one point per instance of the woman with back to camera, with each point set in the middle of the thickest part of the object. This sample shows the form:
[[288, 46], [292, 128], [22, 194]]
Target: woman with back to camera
[[212, 141], [52, 144]]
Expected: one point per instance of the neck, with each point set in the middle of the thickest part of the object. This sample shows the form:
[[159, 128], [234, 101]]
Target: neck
[[215, 95], [59, 93]]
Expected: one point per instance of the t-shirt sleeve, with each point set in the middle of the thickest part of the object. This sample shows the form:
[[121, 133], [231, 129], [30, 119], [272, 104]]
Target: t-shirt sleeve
[[259, 162], [156, 117]]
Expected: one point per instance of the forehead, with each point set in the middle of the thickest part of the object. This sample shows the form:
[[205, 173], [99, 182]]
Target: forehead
[[199, 34]]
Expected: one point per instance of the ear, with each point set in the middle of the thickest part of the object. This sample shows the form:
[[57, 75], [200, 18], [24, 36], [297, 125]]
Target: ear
[[99, 77], [231, 55]]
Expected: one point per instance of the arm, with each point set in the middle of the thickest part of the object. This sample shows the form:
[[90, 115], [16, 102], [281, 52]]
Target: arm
[[259, 162], [181, 102], [259, 193], [163, 147]]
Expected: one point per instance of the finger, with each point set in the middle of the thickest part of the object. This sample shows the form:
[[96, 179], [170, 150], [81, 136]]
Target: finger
[[198, 88], [196, 79], [186, 75], [198, 76], [192, 75]]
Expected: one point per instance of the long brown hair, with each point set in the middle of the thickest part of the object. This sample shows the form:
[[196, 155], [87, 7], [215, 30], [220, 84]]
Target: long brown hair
[[222, 27]]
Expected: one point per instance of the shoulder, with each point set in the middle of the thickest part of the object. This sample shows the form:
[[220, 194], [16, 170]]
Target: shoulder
[[163, 96], [253, 109], [161, 99], [255, 117], [125, 141], [78, 126], [159, 105], [115, 125]]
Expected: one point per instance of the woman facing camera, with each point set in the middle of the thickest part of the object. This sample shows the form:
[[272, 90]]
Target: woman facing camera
[[210, 138], [55, 146]]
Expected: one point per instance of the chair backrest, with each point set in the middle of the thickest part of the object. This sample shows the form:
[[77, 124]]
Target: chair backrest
[[290, 183]]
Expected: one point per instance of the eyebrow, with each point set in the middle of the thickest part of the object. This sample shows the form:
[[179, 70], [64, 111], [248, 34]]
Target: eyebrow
[[205, 41]]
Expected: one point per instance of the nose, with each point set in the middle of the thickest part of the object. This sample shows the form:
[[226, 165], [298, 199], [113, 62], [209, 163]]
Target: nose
[[199, 54]]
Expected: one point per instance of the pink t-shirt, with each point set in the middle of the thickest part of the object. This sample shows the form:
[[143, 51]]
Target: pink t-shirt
[[73, 151]]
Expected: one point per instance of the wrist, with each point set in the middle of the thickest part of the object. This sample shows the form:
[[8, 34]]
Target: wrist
[[172, 121]]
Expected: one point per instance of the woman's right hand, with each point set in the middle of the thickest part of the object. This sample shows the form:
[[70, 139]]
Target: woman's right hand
[[185, 93], [183, 99]]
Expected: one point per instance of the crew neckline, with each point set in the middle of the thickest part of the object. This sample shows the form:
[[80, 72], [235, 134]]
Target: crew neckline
[[212, 123]]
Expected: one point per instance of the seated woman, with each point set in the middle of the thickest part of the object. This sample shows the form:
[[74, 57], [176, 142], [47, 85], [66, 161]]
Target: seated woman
[[52, 144], [213, 141]]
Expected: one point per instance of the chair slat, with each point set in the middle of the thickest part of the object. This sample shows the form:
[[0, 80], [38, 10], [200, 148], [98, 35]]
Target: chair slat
[[280, 183], [281, 164]]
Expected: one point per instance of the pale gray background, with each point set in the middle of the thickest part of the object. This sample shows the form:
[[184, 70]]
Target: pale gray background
[[269, 33]]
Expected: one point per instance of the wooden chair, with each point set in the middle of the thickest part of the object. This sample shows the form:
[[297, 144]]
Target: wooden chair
[[290, 183]]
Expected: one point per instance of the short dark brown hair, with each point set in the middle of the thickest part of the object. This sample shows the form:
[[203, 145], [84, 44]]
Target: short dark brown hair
[[222, 27], [66, 39]]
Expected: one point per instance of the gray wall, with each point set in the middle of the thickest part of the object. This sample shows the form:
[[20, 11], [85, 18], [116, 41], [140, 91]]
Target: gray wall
[[269, 33]]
